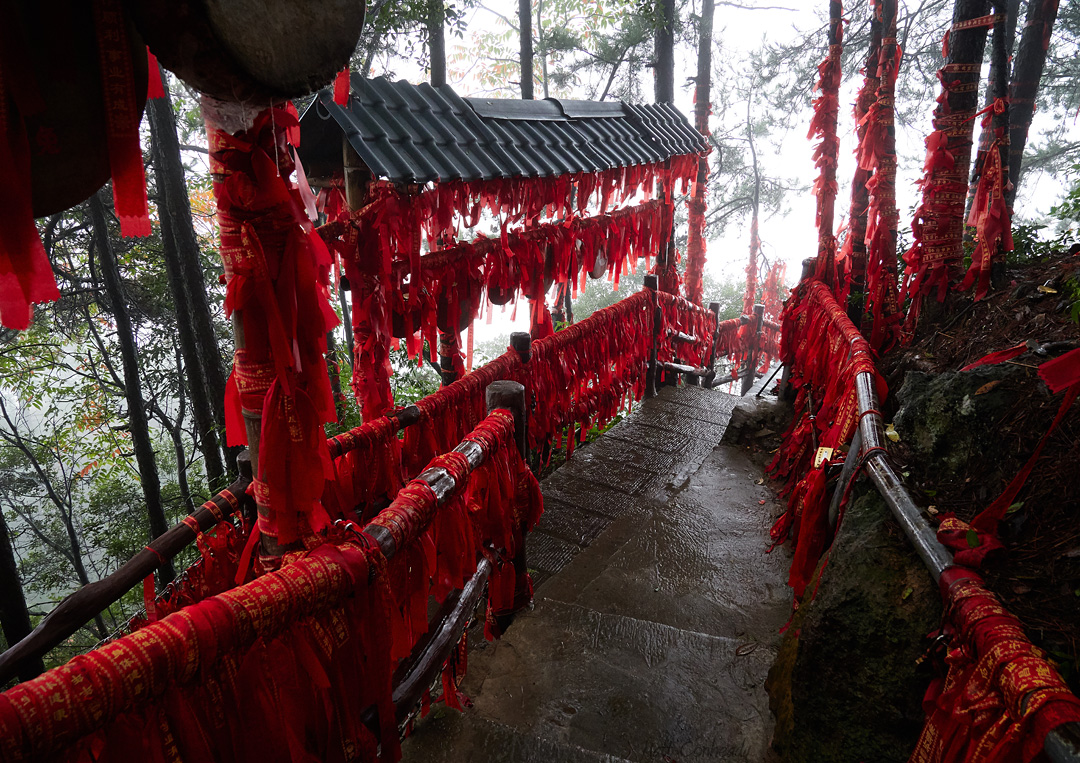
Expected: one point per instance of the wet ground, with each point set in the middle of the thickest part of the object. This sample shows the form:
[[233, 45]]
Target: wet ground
[[657, 612]]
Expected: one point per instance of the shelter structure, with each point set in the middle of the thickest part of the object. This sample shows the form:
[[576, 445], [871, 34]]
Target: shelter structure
[[410, 173]]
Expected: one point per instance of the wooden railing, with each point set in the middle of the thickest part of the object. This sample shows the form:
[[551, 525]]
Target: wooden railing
[[568, 382], [144, 679]]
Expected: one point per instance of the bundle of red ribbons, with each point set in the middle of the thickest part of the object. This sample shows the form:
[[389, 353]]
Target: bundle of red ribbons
[[825, 352], [1000, 696], [277, 275], [26, 106], [446, 288]]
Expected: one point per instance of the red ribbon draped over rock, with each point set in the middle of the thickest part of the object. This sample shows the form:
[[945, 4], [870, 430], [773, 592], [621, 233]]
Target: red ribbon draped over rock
[[825, 352], [1001, 696]]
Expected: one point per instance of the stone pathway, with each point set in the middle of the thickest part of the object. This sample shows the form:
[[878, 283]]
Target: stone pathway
[[657, 614]]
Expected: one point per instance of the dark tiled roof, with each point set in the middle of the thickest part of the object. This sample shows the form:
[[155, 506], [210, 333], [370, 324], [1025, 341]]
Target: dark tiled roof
[[418, 133]]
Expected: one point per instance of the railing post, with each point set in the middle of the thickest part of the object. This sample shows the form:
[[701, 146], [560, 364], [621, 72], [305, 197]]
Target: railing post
[[714, 308], [511, 395], [521, 343], [244, 466], [652, 372], [750, 372]]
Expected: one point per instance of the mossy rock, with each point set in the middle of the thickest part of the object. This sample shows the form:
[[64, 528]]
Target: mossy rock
[[846, 687], [947, 419]]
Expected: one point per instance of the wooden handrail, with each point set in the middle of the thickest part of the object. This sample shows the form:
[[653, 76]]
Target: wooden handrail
[[83, 605]]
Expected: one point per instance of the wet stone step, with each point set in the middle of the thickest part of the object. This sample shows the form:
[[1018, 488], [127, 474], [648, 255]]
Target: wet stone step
[[656, 612], [570, 523]]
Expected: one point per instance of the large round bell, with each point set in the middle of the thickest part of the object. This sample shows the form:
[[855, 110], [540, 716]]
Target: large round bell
[[498, 295], [252, 50], [403, 326], [600, 267], [468, 305]]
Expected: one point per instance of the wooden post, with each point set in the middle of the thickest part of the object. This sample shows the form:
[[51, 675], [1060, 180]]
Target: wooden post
[[750, 372], [652, 372], [511, 395], [714, 308], [521, 342], [449, 344]]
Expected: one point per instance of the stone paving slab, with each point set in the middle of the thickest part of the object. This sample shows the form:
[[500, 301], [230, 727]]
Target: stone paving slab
[[447, 732], [657, 611]]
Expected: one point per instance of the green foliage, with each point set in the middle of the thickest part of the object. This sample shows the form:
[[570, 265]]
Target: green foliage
[[1030, 247], [1068, 210], [1071, 287], [411, 380]]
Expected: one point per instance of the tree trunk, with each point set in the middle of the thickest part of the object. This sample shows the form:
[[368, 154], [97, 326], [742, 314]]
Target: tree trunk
[[695, 245], [173, 193], [346, 318], [665, 53], [140, 428], [177, 206], [437, 41], [14, 616], [966, 47], [1027, 71], [999, 125], [933, 263], [855, 245], [881, 260], [449, 357], [750, 297], [525, 32], [664, 88], [333, 367], [543, 46], [998, 76]]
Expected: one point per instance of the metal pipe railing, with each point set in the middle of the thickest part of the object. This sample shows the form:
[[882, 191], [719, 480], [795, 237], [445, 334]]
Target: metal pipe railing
[[1062, 744]]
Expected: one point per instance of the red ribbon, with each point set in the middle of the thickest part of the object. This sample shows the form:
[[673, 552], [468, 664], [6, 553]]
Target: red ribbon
[[122, 118]]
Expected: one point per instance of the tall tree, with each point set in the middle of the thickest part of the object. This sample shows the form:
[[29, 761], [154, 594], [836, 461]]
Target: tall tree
[[526, 46], [436, 27], [14, 616], [28, 466], [1005, 38], [695, 247], [854, 250], [177, 233], [932, 263], [1027, 72], [664, 47], [140, 427], [180, 246]]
